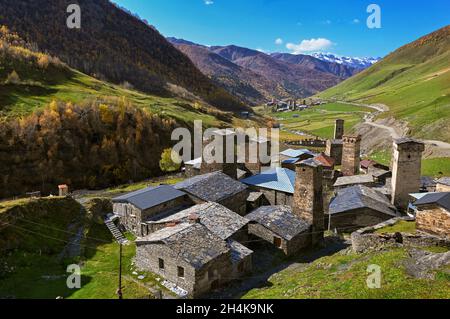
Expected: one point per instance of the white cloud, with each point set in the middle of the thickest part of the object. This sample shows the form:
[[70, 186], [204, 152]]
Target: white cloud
[[327, 22], [208, 2], [356, 21], [279, 41], [311, 45]]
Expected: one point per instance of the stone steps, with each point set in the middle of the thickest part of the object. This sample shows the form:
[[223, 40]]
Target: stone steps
[[117, 234]]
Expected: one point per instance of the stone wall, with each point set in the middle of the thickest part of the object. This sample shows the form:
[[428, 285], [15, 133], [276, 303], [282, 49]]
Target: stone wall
[[351, 155], [433, 220], [195, 281], [334, 150], [356, 219], [289, 247], [308, 198], [366, 239], [406, 171], [442, 188], [274, 197], [132, 217], [237, 203]]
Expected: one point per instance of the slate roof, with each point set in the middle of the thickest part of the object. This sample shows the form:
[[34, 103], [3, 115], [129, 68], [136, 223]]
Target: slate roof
[[441, 199], [280, 220], [427, 181], [360, 196], [296, 153], [211, 187], [280, 179], [404, 140], [150, 196], [352, 180], [444, 181], [238, 251], [218, 219], [194, 243]]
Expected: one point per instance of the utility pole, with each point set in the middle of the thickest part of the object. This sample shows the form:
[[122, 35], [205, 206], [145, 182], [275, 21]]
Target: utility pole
[[119, 291]]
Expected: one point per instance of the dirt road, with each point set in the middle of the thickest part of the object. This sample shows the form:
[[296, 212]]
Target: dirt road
[[381, 108]]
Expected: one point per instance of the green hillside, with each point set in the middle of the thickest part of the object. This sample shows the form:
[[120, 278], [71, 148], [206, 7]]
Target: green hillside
[[414, 81], [58, 125], [42, 79]]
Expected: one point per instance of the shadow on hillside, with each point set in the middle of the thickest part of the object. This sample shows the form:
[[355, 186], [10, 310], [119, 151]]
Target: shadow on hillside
[[267, 261]]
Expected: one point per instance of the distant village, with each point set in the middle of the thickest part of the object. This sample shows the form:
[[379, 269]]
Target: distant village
[[287, 105], [197, 234]]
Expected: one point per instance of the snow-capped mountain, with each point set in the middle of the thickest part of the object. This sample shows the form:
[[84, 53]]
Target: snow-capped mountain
[[355, 62]]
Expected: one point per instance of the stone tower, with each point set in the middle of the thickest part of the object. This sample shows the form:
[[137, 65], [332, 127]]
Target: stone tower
[[226, 165], [334, 150], [406, 170], [308, 197], [350, 155], [339, 130]]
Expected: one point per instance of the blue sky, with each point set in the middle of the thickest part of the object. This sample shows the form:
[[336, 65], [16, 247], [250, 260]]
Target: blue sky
[[337, 26]]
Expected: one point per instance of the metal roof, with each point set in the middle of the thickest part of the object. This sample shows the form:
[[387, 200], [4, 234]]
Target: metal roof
[[280, 179], [361, 196], [296, 153], [441, 199], [150, 196], [280, 220], [291, 161]]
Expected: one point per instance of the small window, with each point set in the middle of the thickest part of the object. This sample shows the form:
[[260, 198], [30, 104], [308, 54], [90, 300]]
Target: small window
[[161, 263], [181, 272]]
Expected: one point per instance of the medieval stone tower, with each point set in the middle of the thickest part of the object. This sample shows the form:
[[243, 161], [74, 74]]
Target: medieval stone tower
[[406, 170], [226, 164], [351, 155], [339, 129], [308, 197]]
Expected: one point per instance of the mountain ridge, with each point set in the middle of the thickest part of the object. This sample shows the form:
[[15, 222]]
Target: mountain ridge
[[111, 45]]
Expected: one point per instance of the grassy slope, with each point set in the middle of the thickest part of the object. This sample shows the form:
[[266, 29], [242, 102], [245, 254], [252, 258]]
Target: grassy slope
[[34, 269], [344, 276], [37, 90], [414, 82], [320, 120]]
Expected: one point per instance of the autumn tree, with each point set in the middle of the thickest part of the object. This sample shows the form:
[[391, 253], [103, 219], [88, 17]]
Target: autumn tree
[[167, 164]]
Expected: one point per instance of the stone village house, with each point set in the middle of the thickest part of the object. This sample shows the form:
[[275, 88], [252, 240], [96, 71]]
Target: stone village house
[[433, 214], [198, 248]]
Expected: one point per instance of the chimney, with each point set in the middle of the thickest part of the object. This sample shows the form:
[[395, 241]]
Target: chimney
[[351, 154], [406, 170], [308, 197], [339, 129]]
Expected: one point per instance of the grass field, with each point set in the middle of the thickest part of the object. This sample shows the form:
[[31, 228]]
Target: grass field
[[320, 120], [434, 167], [345, 276], [35, 268]]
